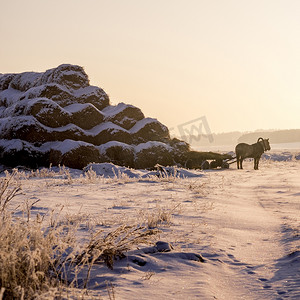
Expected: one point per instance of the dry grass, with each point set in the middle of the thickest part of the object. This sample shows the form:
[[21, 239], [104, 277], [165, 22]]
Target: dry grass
[[27, 259], [27, 252], [199, 188], [8, 190], [159, 216], [114, 245], [41, 255]]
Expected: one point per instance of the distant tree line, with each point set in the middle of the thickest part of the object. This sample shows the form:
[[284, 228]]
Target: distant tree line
[[276, 137], [231, 138]]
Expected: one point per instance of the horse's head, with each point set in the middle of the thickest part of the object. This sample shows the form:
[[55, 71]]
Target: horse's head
[[265, 143]]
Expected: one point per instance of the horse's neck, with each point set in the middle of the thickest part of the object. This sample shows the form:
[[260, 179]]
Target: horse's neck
[[262, 143]]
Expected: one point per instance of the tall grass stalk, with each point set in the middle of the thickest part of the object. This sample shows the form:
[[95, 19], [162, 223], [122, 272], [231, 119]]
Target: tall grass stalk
[[7, 191]]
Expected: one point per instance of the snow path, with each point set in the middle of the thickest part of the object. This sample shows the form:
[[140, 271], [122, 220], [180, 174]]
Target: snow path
[[254, 230], [245, 224]]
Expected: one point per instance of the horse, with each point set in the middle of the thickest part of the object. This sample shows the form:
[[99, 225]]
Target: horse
[[255, 151]]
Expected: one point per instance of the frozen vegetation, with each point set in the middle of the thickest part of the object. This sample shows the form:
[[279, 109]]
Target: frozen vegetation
[[111, 232]]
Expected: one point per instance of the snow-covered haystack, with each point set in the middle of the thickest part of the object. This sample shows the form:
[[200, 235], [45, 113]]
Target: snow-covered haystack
[[58, 117]]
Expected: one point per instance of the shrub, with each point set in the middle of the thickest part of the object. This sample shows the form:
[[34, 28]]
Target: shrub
[[26, 258], [28, 253]]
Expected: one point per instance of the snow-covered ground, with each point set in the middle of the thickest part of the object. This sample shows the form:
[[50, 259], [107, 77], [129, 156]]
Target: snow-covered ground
[[243, 223]]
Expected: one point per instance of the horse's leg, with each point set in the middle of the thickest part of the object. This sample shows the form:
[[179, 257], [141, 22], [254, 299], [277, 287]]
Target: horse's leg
[[238, 161], [241, 163], [255, 163]]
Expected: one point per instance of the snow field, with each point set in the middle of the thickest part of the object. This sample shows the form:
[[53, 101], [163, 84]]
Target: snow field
[[244, 223]]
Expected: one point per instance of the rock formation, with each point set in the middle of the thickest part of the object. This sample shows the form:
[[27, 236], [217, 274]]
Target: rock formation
[[57, 117]]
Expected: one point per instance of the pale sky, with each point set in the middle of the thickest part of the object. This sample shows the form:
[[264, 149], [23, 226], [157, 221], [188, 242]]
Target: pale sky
[[236, 62]]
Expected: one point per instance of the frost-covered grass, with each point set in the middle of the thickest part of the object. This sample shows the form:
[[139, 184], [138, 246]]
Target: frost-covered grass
[[29, 250], [27, 260], [38, 253], [25, 252]]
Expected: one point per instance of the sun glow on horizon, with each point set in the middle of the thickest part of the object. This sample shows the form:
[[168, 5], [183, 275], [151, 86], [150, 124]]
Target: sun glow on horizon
[[236, 62]]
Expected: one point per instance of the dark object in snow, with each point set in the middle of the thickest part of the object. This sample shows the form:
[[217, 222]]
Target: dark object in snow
[[163, 246], [199, 160], [255, 151], [216, 163], [160, 246], [139, 261], [225, 165], [205, 165]]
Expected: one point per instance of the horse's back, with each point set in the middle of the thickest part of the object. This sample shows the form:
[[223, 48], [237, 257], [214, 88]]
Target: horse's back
[[240, 146], [243, 149]]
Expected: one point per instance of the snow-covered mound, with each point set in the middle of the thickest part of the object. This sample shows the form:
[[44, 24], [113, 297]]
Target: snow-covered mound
[[57, 117], [109, 170]]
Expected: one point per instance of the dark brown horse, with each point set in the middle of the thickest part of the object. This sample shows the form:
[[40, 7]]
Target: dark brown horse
[[255, 151]]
